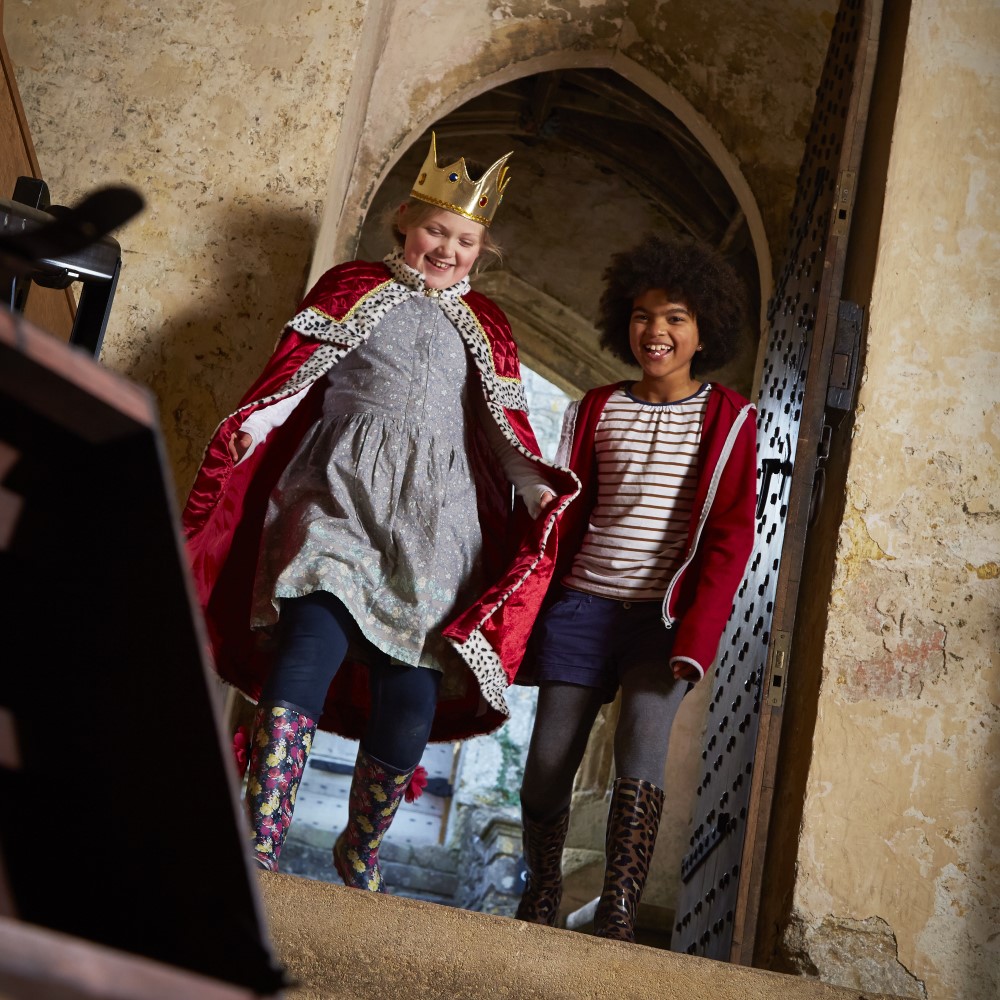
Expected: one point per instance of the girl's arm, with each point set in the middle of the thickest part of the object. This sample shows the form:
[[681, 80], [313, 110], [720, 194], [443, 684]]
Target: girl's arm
[[536, 493], [259, 424]]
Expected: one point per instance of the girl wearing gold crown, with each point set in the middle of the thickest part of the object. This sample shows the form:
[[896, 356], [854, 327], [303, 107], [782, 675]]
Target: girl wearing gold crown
[[351, 532]]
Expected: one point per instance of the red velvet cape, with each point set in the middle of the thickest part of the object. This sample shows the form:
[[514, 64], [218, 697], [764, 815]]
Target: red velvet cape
[[224, 515]]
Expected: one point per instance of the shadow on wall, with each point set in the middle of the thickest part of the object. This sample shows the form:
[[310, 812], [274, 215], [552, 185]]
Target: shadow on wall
[[201, 358]]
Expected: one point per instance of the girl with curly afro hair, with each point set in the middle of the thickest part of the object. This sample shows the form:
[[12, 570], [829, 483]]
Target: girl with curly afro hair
[[688, 271], [650, 556]]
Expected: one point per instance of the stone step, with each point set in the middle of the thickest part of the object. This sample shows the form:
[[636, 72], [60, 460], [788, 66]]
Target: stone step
[[340, 943]]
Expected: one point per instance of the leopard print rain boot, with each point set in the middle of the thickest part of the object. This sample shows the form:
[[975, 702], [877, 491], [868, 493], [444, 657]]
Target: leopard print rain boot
[[543, 847], [633, 821]]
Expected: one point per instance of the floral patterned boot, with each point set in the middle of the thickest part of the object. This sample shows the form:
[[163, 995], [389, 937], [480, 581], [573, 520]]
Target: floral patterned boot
[[282, 740], [543, 848], [376, 791], [633, 822]]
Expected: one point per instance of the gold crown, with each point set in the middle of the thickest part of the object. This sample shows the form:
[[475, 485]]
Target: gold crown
[[451, 187]]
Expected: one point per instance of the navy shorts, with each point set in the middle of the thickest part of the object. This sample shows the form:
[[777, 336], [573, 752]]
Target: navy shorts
[[591, 641]]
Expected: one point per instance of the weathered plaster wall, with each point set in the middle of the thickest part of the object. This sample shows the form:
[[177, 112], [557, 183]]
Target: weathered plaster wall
[[751, 69], [225, 116], [898, 852]]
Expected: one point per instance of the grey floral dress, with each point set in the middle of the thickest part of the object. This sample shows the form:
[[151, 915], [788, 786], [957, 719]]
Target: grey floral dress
[[378, 505]]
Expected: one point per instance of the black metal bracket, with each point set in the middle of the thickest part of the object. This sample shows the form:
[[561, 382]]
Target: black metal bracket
[[846, 363], [771, 467], [54, 246]]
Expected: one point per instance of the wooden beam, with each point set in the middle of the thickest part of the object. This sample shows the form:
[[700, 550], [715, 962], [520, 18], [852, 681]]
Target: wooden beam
[[51, 309], [540, 103]]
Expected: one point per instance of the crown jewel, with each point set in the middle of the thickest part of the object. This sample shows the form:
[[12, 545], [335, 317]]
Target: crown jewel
[[451, 187]]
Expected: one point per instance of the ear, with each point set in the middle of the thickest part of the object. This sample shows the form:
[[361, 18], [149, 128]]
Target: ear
[[401, 218]]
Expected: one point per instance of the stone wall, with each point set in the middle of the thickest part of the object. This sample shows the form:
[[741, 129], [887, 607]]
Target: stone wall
[[716, 68]]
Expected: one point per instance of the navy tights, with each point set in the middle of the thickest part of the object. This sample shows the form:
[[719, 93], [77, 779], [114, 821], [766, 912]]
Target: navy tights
[[314, 633]]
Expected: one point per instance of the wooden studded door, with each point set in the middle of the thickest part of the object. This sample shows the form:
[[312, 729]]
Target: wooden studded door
[[719, 898]]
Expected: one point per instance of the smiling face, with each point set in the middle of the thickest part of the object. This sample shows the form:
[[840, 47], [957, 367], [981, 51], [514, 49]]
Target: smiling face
[[442, 246], [663, 335]]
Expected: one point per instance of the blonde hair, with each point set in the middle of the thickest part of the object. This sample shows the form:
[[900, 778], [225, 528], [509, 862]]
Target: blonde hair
[[418, 211]]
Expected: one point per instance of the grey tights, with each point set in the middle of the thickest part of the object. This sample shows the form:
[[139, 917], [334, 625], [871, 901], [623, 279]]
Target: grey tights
[[564, 719]]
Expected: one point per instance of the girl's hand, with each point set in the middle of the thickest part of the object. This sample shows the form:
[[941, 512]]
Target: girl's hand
[[239, 445], [547, 500]]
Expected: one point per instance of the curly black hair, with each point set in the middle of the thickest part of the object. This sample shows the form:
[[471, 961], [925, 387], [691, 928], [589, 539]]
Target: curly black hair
[[689, 271]]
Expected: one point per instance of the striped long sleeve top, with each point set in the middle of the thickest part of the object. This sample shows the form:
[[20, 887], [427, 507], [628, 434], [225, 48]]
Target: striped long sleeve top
[[646, 455]]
